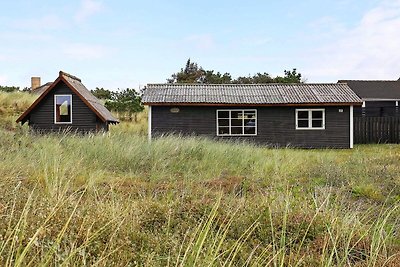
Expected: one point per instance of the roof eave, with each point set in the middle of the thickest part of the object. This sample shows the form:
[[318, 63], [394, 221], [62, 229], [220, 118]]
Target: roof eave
[[82, 98], [251, 104], [37, 101]]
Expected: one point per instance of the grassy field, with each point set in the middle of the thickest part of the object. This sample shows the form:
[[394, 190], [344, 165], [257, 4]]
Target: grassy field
[[115, 199]]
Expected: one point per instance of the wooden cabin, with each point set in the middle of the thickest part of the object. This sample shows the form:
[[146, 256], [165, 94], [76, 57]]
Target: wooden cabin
[[296, 115], [67, 105]]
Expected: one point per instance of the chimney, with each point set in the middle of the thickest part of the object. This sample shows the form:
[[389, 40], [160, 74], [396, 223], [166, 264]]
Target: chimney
[[35, 83]]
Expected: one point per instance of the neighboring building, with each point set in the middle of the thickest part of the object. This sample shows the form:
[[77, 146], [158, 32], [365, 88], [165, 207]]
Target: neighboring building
[[298, 115], [67, 104], [380, 98], [40, 89]]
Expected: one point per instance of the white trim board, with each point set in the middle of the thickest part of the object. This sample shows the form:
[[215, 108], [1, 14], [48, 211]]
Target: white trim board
[[149, 123], [351, 127]]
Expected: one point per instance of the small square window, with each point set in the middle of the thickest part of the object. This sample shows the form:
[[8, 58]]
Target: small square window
[[223, 130], [223, 114], [235, 114], [317, 123], [237, 130], [310, 119], [249, 130], [317, 114], [302, 123], [302, 114], [223, 122], [236, 122]]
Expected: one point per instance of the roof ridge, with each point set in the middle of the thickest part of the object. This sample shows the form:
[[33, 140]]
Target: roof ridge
[[62, 73], [239, 84], [343, 81]]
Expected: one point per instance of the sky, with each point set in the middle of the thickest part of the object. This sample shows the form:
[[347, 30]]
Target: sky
[[121, 44]]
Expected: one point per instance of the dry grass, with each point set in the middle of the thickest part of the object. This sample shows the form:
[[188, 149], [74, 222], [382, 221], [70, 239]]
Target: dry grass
[[115, 199]]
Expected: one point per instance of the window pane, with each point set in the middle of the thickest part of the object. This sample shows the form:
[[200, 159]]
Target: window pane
[[223, 114], [63, 109], [236, 122], [223, 130], [250, 130], [302, 114], [223, 122], [302, 123], [249, 115], [317, 123], [236, 114], [248, 122], [237, 130], [317, 114]]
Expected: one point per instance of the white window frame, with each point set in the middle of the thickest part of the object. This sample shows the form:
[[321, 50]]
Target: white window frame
[[310, 110], [230, 126], [55, 110]]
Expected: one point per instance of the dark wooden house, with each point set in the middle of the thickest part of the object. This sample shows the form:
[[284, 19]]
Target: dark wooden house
[[380, 98], [66, 104], [378, 119], [298, 115]]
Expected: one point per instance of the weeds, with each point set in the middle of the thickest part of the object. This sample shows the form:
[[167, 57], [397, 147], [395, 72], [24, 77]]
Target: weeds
[[115, 199]]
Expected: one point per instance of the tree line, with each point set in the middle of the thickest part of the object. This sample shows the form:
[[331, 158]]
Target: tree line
[[193, 73], [128, 102], [9, 89]]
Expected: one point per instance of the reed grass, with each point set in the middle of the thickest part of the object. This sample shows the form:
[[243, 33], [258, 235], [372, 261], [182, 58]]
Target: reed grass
[[115, 199]]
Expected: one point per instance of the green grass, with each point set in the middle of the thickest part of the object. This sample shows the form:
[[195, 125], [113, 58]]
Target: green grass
[[115, 199]]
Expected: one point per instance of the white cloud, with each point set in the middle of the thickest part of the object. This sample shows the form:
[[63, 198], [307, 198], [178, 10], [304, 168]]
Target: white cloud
[[370, 50], [88, 8], [40, 23], [82, 51], [201, 42], [3, 79]]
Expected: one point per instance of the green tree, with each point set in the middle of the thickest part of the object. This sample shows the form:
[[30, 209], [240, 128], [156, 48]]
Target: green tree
[[290, 77], [216, 78], [126, 103], [192, 73], [101, 93], [8, 89], [255, 79]]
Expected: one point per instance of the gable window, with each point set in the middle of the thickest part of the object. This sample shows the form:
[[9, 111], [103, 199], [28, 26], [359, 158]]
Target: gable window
[[63, 109], [310, 119], [236, 122]]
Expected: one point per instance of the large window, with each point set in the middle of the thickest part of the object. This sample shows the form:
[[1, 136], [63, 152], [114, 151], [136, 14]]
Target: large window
[[236, 122], [63, 108], [310, 119]]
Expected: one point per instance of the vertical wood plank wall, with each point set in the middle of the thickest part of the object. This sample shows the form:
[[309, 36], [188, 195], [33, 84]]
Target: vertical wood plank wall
[[373, 130]]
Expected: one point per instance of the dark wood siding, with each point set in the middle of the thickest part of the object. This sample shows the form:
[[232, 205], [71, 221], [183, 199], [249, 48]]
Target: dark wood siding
[[275, 125], [83, 118]]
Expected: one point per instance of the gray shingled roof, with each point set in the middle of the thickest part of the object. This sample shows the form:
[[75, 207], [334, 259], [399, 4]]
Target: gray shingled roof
[[375, 89], [39, 90], [88, 96], [273, 93]]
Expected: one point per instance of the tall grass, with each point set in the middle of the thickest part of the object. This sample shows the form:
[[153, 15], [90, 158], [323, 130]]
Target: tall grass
[[11, 106], [116, 199]]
